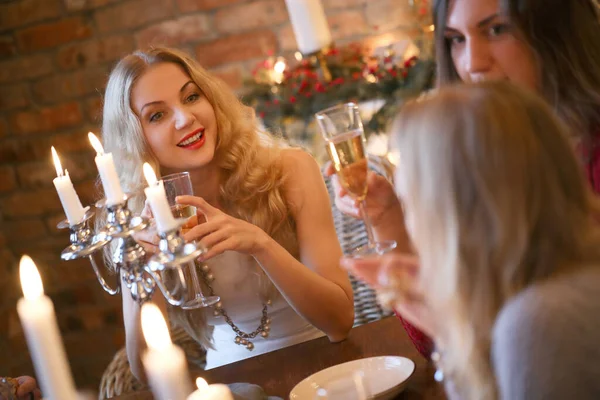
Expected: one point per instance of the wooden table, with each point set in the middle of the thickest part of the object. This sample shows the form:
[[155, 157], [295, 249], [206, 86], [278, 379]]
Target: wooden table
[[279, 371]]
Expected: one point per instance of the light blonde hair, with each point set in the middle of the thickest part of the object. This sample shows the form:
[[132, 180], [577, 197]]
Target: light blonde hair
[[251, 171], [499, 203]]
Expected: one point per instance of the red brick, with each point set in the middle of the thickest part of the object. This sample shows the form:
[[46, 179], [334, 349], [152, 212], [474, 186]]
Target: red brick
[[203, 5], [41, 173], [25, 149], [7, 46], [76, 5], [72, 142], [31, 203], [79, 345], [287, 39], [332, 4], [231, 75], [25, 230], [132, 14], [94, 52], [76, 272], [385, 15], [3, 128], [78, 83], [14, 96], [53, 34], [257, 14], [7, 268], [174, 32], [9, 151], [347, 24], [28, 67], [8, 181], [93, 109], [88, 191], [46, 119], [20, 13], [236, 48]]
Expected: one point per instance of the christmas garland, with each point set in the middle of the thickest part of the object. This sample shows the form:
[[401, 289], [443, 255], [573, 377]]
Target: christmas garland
[[339, 75]]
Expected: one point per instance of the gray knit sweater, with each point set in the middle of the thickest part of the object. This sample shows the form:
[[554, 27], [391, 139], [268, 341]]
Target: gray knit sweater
[[546, 341]]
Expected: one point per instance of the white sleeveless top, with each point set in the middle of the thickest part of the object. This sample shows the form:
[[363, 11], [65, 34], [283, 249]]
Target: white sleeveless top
[[236, 282]]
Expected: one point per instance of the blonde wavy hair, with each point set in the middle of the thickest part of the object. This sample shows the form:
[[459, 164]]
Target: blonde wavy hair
[[252, 174], [499, 203]]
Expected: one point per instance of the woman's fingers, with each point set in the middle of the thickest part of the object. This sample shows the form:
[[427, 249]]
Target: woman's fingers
[[225, 245], [200, 204], [382, 271], [210, 240], [328, 170], [347, 206], [201, 230], [27, 384]]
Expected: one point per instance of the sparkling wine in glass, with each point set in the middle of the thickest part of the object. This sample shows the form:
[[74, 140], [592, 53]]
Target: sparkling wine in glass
[[343, 132], [180, 184], [188, 212]]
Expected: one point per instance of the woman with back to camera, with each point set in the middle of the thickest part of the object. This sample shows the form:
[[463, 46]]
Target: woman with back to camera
[[550, 47], [508, 240], [269, 230]]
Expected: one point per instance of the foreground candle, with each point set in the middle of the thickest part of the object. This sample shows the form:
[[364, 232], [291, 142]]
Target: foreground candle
[[309, 24], [210, 392], [157, 198], [164, 362], [108, 173], [66, 192], [36, 312]]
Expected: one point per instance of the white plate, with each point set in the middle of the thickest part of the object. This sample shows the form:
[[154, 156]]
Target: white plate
[[384, 378]]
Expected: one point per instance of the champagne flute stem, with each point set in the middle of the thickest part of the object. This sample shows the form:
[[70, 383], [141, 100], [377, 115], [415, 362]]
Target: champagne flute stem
[[195, 282], [363, 211]]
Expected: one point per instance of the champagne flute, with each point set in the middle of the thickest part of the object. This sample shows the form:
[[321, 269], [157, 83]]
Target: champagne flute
[[180, 184], [342, 129]]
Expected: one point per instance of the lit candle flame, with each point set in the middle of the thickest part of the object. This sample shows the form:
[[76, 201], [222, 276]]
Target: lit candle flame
[[57, 165], [96, 143], [31, 282], [201, 383], [298, 56], [149, 174], [155, 328], [279, 66]]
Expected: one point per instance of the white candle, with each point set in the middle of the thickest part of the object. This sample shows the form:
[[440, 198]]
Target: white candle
[[164, 362], [210, 392], [309, 24], [108, 173], [157, 197], [36, 312], [66, 192]]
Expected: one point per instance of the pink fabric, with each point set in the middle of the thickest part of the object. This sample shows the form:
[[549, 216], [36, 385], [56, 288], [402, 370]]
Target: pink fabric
[[591, 155]]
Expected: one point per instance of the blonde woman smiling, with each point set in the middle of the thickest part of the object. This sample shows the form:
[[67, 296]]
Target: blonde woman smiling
[[273, 246]]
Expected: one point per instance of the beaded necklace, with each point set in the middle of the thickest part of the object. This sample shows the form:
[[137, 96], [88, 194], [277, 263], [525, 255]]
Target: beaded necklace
[[242, 338]]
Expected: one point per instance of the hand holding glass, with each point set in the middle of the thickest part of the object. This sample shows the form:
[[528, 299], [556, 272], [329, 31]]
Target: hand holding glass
[[343, 132], [180, 184]]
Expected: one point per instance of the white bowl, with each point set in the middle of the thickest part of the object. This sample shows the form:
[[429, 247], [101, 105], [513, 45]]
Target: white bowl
[[382, 377]]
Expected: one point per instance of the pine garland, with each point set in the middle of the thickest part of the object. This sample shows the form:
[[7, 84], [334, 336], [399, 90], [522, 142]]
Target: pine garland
[[303, 89]]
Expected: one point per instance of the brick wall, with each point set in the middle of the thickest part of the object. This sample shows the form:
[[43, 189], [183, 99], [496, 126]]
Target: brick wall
[[54, 59]]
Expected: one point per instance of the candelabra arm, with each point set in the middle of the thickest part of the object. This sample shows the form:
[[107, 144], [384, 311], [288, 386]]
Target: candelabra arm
[[102, 281], [165, 291]]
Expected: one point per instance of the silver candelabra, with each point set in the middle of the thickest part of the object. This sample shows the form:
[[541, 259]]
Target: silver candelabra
[[139, 273]]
